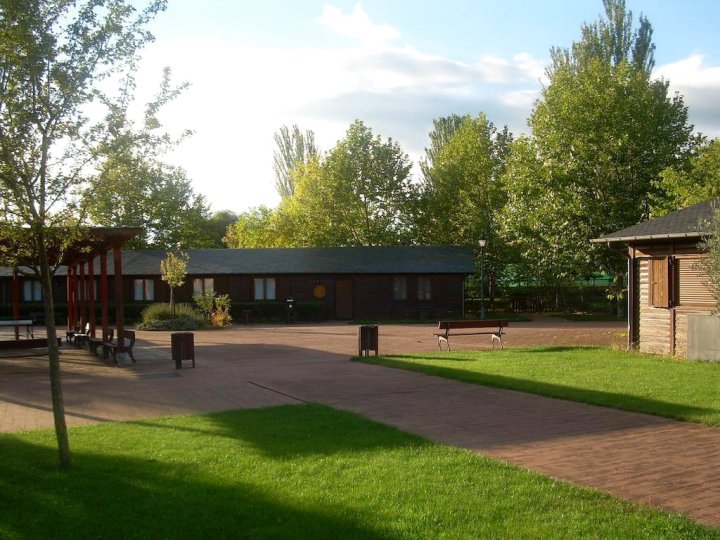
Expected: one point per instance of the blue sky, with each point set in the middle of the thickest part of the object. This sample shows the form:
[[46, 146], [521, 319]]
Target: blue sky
[[395, 64]]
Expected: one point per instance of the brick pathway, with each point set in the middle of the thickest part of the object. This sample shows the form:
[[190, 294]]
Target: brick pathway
[[668, 464]]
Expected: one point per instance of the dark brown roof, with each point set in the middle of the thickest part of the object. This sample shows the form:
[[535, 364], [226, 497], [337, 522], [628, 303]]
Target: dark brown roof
[[333, 260], [690, 222]]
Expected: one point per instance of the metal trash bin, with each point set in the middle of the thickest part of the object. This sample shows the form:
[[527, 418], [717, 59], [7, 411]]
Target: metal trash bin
[[290, 310], [183, 347], [367, 339]]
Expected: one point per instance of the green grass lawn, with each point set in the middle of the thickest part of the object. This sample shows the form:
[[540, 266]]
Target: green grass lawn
[[293, 472], [662, 386]]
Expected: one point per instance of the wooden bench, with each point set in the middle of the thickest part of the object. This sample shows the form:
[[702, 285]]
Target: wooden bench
[[80, 338], [113, 348], [32, 343], [493, 328], [94, 343]]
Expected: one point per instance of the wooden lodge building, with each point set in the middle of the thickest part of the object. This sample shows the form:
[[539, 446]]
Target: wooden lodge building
[[666, 277], [351, 283]]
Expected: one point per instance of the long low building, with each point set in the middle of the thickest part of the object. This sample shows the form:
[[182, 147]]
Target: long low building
[[351, 282]]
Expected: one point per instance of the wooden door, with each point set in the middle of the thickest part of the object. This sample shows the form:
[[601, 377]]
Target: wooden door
[[343, 299]]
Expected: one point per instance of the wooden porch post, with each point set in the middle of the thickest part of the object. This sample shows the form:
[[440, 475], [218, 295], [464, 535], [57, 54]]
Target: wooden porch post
[[91, 293], [68, 299], [119, 311], [82, 283], [632, 325], [16, 300], [76, 316], [104, 292]]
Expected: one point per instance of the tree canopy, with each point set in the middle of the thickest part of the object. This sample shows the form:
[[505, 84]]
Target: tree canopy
[[687, 184], [135, 187], [53, 55], [293, 148], [602, 132]]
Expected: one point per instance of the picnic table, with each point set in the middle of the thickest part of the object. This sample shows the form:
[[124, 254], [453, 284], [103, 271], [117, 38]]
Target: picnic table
[[17, 323]]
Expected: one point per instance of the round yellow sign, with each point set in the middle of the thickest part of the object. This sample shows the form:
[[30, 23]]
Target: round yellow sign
[[319, 291]]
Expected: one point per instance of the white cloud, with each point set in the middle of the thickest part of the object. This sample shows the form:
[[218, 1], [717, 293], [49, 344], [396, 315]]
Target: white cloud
[[357, 25], [241, 95], [699, 84]]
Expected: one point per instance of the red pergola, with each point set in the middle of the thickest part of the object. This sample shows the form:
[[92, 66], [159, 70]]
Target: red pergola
[[79, 258]]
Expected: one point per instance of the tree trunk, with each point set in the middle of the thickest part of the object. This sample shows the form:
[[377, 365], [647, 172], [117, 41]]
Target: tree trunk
[[58, 404], [172, 301]]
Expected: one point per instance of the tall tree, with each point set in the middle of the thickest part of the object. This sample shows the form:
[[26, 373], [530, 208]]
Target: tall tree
[[216, 227], [359, 195], [443, 130], [53, 54], [698, 180], [293, 147], [463, 192], [134, 187], [602, 132]]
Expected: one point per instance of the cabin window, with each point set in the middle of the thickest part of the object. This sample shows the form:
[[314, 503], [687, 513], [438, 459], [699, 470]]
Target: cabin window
[[661, 285], [32, 291], [424, 291], [692, 283], [264, 288], [203, 286], [399, 288], [143, 290]]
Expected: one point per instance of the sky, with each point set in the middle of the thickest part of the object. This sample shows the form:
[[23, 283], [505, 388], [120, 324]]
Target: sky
[[254, 66]]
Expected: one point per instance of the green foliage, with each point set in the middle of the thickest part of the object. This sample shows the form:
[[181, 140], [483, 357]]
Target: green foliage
[[293, 148], [303, 472], [601, 135], [255, 228], [462, 193], [161, 316], [220, 316], [204, 302], [712, 245], [134, 187], [630, 381], [217, 227], [443, 130], [54, 55], [359, 195], [215, 309], [173, 270], [698, 180]]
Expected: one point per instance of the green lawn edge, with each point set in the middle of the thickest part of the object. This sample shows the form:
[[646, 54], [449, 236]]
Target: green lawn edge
[[660, 386], [293, 471]]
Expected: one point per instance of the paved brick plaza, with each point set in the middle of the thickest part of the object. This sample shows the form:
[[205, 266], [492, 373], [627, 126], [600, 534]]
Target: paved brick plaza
[[655, 461]]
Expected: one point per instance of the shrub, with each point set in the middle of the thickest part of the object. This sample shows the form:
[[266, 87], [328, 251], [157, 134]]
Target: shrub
[[159, 316]]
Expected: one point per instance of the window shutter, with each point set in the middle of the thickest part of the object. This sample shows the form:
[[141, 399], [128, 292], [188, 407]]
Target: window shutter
[[661, 282]]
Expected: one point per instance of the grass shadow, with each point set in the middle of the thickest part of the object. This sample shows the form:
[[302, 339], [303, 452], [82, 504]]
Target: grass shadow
[[619, 400], [155, 487]]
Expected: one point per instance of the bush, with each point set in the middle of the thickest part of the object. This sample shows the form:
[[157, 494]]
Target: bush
[[159, 316]]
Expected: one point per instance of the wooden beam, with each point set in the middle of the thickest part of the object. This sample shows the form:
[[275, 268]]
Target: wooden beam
[[91, 293], [119, 313], [104, 318], [16, 300]]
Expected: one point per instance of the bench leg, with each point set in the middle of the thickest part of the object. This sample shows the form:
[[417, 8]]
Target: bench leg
[[446, 340], [493, 337]]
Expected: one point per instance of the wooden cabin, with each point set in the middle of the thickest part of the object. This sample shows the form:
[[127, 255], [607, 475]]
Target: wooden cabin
[[667, 280]]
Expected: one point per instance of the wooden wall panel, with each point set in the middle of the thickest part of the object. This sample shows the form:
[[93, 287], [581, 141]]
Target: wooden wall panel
[[654, 323]]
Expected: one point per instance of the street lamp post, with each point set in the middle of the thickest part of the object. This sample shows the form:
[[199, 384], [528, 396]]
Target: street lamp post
[[481, 243]]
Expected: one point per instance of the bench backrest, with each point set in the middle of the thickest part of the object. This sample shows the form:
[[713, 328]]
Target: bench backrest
[[457, 325]]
